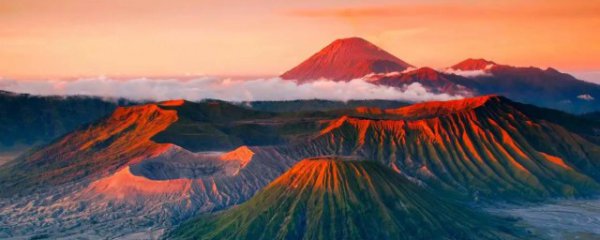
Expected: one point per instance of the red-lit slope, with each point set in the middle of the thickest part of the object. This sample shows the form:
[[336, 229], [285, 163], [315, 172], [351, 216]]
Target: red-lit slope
[[113, 173], [346, 59], [128, 138], [429, 78], [483, 146], [123, 138], [426, 109], [177, 174], [440, 108], [473, 64]]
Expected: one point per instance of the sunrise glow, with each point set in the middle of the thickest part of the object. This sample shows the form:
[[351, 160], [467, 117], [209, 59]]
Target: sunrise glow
[[66, 38]]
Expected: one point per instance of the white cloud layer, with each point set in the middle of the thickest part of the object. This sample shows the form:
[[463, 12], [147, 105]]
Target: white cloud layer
[[221, 88], [468, 73]]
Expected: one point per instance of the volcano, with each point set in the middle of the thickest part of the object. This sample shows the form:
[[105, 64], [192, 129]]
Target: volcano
[[542, 87], [488, 146], [172, 160], [326, 198], [352, 58], [344, 60]]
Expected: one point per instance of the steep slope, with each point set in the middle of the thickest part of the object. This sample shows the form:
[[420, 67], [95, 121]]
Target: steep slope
[[480, 147], [343, 199], [486, 145], [438, 108], [114, 174], [431, 79], [120, 170], [351, 58], [154, 193], [103, 147], [133, 134], [346, 59], [542, 87], [191, 181]]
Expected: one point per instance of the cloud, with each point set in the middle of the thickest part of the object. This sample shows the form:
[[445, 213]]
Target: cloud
[[222, 88], [468, 73], [376, 76], [586, 97]]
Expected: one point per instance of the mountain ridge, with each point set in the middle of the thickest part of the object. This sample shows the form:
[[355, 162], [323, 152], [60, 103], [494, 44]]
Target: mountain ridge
[[472, 64], [470, 77], [486, 147]]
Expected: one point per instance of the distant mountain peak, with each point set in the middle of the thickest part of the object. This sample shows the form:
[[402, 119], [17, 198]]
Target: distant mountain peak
[[431, 79], [360, 47], [425, 73], [471, 64], [346, 59], [353, 40]]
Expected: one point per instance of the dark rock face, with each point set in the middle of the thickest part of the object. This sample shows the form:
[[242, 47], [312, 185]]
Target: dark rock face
[[27, 120]]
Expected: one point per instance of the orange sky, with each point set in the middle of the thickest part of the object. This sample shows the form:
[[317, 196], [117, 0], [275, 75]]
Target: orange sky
[[173, 37]]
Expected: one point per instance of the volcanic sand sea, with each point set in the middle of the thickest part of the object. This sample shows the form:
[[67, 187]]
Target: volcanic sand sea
[[560, 219]]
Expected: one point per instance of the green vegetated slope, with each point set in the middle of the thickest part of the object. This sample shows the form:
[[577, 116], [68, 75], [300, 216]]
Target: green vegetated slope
[[344, 199]]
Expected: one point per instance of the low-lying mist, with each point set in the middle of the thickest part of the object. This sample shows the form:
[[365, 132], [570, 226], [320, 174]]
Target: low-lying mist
[[221, 88]]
